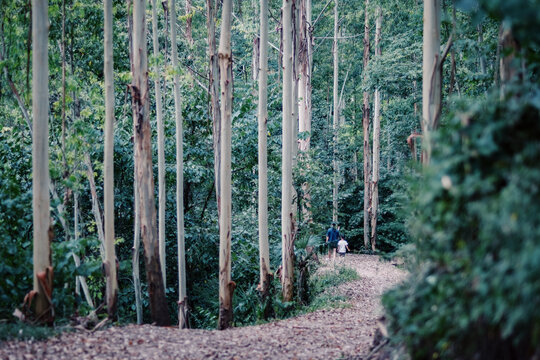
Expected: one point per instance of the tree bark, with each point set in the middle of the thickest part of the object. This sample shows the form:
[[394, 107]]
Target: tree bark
[[183, 314], [431, 77], [264, 252], [335, 123], [143, 153], [376, 139], [40, 158], [304, 95], [162, 196], [287, 250], [108, 188], [226, 285], [136, 206], [365, 126]]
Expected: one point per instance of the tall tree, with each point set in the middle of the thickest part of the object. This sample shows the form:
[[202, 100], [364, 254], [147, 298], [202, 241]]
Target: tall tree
[[335, 123], [40, 162], [365, 126], [264, 252], [376, 137], [213, 76], [287, 250], [162, 196], [143, 163], [431, 78], [182, 292], [110, 255], [226, 285], [304, 95]]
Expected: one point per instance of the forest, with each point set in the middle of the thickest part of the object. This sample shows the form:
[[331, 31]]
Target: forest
[[178, 163]]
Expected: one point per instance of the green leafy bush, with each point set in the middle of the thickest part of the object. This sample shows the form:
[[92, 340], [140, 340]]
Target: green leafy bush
[[474, 291]]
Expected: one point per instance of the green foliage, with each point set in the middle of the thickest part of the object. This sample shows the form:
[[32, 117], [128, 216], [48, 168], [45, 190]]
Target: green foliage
[[23, 331], [16, 220], [474, 289]]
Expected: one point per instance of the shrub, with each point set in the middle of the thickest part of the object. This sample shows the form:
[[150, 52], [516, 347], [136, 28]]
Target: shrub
[[474, 291]]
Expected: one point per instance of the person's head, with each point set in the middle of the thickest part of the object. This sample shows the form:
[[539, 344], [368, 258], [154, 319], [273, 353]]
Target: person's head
[[333, 224]]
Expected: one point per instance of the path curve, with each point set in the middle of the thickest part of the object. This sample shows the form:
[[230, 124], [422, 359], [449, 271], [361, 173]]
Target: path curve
[[324, 334]]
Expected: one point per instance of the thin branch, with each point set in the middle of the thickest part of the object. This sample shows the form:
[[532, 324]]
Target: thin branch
[[446, 49], [322, 11]]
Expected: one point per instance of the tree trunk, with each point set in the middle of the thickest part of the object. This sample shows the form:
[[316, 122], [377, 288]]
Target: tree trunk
[[287, 250], [376, 139], [365, 126], [431, 77], [183, 314], [143, 154], [40, 160], [304, 95], [213, 85], [335, 124], [108, 160], [226, 285], [162, 196], [264, 252], [136, 212]]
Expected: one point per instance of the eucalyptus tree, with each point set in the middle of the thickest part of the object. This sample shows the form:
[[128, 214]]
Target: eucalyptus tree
[[431, 78], [162, 196], [264, 252], [376, 137], [110, 255], [226, 285], [304, 94], [143, 163], [365, 126], [287, 245], [40, 162], [213, 79], [183, 314], [335, 122]]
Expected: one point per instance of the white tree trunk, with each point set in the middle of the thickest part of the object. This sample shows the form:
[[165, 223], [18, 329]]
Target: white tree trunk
[[304, 95], [431, 79], [162, 196], [287, 250], [264, 252], [226, 286], [135, 250], [40, 154], [182, 292], [136, 212], [213, 76], [108, 198], [365, 126], [335, 123], [143, 156], [376, 139]]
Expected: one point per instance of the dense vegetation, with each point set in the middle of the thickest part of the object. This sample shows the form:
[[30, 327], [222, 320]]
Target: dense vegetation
[[470, 217], [473, 220]]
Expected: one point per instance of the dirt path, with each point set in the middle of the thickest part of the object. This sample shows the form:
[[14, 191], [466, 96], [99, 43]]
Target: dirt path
[[324, 334]]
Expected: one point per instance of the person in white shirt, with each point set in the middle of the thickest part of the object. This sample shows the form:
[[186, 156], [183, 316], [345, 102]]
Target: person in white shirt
[[342, 246]]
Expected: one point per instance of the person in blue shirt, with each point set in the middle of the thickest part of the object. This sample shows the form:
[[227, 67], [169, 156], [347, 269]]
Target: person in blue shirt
[[332, 238]]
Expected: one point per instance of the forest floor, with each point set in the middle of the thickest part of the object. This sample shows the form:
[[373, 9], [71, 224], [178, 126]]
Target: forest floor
[[341, 333]]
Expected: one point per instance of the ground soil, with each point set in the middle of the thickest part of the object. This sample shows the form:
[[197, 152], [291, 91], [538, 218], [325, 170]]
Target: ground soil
[[342, 333]]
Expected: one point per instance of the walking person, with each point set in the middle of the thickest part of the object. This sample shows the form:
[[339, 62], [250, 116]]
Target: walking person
[[342, 247], [332, 237]]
